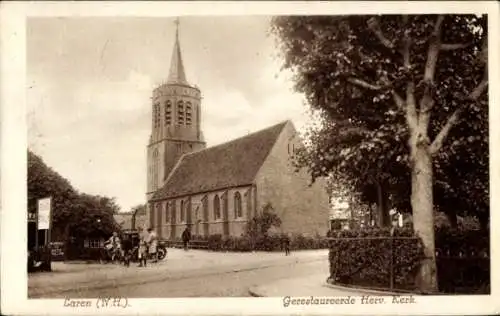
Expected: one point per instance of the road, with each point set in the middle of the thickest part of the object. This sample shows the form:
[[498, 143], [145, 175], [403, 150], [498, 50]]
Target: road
[[194, 273]]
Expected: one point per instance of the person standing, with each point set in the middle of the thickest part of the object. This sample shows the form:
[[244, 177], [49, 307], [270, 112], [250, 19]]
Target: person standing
[[143, 250], [286, 244], [152, 240], [186, 237]]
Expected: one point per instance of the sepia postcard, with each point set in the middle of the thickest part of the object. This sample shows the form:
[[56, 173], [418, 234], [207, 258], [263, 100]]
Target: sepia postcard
[[210, 158]]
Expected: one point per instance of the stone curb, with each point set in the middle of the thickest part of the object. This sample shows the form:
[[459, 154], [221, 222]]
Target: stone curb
[[361, 290], [253, 291], [256, 291]]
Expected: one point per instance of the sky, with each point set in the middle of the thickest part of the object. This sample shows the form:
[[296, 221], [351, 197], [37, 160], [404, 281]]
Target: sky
[[90, 81]]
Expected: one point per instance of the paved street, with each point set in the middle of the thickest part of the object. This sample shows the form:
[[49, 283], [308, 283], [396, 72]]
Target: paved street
[[194, 273]]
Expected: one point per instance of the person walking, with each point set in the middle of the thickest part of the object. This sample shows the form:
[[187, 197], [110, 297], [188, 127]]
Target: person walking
[[152, 241], [286, 244], [127, 250], [186, 237]]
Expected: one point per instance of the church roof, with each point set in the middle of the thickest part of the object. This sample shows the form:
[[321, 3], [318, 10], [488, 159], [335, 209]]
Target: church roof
[[231, 164], [177, 73]]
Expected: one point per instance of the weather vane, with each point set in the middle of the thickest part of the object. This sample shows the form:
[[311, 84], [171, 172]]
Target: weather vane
[[177, 22]]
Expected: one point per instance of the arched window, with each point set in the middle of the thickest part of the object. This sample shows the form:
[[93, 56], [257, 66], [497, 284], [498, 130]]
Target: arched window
[[168, 112], [180, 112], [216, 207], [158, 215], [237, 205], [174, 212], [189, 112], [155, 169], [248, 196], [204, 201], [182, 211], [166, 207], [156, 115]]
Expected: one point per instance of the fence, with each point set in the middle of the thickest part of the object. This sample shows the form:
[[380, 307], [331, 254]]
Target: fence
[[463, 273], [194, 244], [392, 263]]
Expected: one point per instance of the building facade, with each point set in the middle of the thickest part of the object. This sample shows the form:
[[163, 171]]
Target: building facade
[[217, 190]]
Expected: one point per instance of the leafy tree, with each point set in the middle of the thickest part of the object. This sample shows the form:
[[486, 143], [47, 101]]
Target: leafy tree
[[84, 213], [139, 209], [398, 95], [93, 214], [44, 182]]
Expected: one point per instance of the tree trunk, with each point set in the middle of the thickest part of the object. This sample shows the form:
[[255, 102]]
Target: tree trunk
[[452, 217], [382, 206], [423, 214]]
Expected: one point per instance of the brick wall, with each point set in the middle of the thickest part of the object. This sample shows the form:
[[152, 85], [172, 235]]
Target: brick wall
[[302, 208]]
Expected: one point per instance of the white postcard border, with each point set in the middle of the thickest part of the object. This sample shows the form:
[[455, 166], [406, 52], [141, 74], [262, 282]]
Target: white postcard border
[[14, 143]]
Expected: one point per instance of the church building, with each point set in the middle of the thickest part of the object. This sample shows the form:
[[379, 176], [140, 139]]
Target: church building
[[217, 190]]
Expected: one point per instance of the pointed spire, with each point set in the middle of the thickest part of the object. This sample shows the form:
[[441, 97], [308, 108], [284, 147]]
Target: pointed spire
[[177, 74]]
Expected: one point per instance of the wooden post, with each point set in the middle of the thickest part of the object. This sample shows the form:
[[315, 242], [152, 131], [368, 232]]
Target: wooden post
[[391, 286], [67, 243], [36, 229], [49, 230]]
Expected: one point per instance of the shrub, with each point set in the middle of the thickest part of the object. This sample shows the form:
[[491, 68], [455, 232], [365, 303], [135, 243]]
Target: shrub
[[199, 237], [215, 242], [242, 244], [260, 225]]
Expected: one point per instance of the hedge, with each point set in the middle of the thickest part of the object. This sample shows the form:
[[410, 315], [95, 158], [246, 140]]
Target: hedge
[[462, 259], [363, 258], [272, 242]]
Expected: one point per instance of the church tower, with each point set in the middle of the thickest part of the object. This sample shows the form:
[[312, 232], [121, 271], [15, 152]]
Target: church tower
[[176, 118]]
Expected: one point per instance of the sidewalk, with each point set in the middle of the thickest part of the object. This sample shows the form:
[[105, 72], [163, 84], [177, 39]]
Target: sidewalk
[[314, 285]]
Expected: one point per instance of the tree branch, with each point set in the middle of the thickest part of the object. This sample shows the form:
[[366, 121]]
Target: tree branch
[[476, 93], [448, 47], [374, 26], [433, 52], [438, 24], [400, 103], [439, 140], [454, 118], [411, 111], [364, 84], [427, 101]]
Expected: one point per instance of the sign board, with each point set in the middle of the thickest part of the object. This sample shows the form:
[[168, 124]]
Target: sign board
[[44, 213], [340, 214]]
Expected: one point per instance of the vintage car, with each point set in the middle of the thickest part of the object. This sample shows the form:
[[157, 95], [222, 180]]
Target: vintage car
[[39, 259], [134, 236]]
